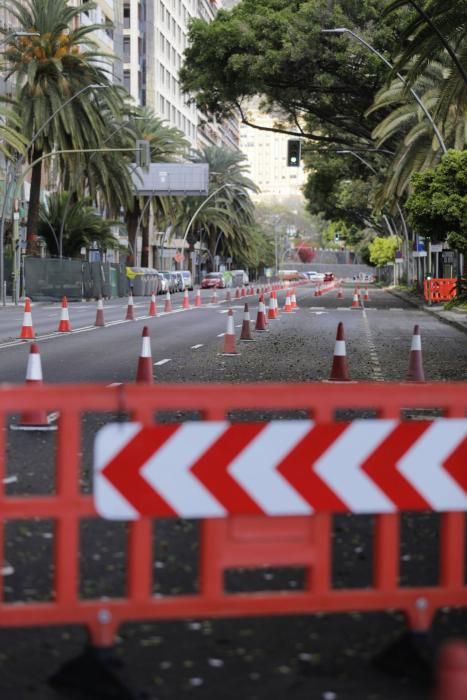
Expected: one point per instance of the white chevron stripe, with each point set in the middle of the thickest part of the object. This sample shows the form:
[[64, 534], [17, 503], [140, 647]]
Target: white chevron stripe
[[339, 467], [255, 468], [110, 440], [168, 470], [422, 464]]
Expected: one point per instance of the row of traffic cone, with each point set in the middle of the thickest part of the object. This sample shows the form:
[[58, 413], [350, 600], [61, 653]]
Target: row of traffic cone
[[340, 372]]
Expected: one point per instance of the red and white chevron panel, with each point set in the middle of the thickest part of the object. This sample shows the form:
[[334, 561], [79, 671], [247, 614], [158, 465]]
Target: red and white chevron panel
[[215, 468]]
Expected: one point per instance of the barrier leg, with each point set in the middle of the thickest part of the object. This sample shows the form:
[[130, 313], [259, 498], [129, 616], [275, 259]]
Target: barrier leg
[[91, 675], [411, 655], [451, 672]]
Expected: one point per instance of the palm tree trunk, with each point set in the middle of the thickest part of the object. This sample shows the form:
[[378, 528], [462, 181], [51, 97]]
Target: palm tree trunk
[[132, 225], [145, 245], [34, 204]]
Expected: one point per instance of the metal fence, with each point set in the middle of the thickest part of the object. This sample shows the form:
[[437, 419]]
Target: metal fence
[[49, 279]]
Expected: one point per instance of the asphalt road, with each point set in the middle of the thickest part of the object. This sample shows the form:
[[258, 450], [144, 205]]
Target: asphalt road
[[319, 657]]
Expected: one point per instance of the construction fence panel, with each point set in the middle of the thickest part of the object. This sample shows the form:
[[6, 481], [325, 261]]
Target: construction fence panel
[[437, 290], [49, 279], [247, 541]]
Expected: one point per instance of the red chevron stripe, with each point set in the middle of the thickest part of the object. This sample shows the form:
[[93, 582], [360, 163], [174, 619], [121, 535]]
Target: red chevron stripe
[[211, 468], [381, 466], [456, 464], [123, 471], [297, 467]]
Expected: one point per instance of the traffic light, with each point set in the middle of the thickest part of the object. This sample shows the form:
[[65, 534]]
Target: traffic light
[[293, 153], [143, 154]]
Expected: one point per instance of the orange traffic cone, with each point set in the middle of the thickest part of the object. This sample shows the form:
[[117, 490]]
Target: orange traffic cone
[[261, 323], [243, 292], [228, 296], [366, 296], [144, 370], [214, 297], [293, 300], [237, 293], [153, 305], [168, 303], [451, 672], [288, 304], [355, 301], [64, 325], [130, 313], [198, 297], [415, 372], [276, 305], [340, 295], [38, 419], [339, 371], [271, 309], [317, 291], [100, 313], [230, 347], [27, 331], [186, 301], [246, 328]]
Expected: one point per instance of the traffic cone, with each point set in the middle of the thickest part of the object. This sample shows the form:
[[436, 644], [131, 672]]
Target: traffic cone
[[186, 301], [100, 313], [340, 295], [144, 370], [415, 372], [214, 297], [451, 672], [261, 323], [293, 300], [168, 303], [339, 371], [246, 328], [130, 313], [271, 309], [355, 301], [153, 305], [198, 297], [243, 292], [39, 419], [288, 304], [276, 305], [230, 347], [366, 296], [237, 293], [27, 331], [64, 325], [228, 296]]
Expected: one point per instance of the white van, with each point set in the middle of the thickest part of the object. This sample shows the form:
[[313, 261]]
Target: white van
[[239, 278], [187, 279]]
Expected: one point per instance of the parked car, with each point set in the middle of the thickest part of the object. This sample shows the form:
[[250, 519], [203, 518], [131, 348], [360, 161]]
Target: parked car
[[187, 280], [163, 284], [239, 278], [328, 276], [171, 281], [214, 280], [314, 276]]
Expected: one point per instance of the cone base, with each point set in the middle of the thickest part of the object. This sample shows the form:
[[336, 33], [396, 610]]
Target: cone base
[[42, 422], [248, 340], [27, 335], [64, 329]]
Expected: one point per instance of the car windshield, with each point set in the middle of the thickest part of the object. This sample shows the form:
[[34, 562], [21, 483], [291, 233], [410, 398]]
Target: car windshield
[[215, 275]]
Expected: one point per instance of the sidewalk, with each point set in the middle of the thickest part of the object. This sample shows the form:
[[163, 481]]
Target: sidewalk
[[457, 318]]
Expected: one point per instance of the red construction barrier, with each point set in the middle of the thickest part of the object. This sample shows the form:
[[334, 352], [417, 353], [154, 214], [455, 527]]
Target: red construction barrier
[[241, 540], [438, 290]]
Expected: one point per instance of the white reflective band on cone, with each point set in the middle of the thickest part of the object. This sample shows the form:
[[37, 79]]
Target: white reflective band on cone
[[246, 315], [230, 325], [146, 347], [100, 304], [339, 348], [34, 368], [27, 320], [416, 342]]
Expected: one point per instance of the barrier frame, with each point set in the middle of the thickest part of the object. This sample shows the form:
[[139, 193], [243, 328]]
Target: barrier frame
[[440, 289], [236, 541]]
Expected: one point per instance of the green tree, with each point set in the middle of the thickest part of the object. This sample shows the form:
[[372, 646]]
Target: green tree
[[438, 203], [50, 69], [383, 250], [84, 228]]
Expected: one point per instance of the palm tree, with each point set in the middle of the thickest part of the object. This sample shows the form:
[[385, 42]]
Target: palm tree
[[84, 228], [407, 125], [50, 69], [166, 144]]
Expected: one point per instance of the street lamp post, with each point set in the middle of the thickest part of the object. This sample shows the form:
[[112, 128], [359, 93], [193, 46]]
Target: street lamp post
[[12, 188], [345, 30]]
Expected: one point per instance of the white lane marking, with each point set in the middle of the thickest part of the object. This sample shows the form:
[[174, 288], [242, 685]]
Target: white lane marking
[[343, 308], [10, 479], [221, 335], [195, 347], [319, 313], [163, 362], [374, 360]]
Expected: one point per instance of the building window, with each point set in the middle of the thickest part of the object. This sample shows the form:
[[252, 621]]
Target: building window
[[126, 16], [126, 49], [127, 79]]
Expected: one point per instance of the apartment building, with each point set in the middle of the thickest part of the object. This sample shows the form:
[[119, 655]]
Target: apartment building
[[266, 152]]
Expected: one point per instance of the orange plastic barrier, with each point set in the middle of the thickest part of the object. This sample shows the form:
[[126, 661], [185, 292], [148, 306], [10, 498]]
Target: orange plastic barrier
[[437, 290], [240, 541]]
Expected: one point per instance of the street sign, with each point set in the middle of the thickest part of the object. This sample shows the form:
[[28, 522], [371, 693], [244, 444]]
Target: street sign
[[175, 179], [210, 469], [419, 254]]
